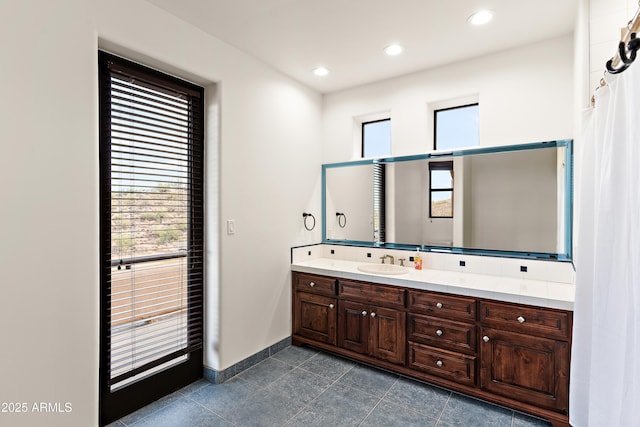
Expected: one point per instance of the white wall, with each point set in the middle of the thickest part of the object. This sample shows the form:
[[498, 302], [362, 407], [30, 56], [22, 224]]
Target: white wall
[[525, 95], [267, 167]]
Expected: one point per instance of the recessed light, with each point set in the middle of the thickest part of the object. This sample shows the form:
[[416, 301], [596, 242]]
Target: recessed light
[[393, 49], [320, 71], [481, 17]]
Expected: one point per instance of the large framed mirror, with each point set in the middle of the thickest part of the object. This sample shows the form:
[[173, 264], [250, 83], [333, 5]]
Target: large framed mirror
[[511, 201]]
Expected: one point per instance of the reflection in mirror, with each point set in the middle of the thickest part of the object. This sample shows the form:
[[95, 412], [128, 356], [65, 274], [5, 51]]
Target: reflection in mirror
[[497, 201], [507, 199], [349, 191]]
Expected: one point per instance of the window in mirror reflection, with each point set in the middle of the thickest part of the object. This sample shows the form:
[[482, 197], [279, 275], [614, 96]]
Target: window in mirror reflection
[[376, 138], [376, 142], [456, 127], [441, 189]]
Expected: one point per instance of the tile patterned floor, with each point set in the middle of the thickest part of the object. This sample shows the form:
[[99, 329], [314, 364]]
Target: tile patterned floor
[[300, 386]]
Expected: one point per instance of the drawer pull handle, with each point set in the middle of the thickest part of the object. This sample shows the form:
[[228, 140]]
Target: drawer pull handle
[[331, 306], [312, 284], [373, 314], [439, 332], [439, 305], [364, 313], [485, 338], [439, 363], [521, 319]]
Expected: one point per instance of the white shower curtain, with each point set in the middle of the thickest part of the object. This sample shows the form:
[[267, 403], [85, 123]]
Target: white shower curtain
[[605, 362]]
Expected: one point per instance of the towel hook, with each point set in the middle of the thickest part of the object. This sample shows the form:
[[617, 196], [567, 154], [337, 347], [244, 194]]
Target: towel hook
[[342, 219]]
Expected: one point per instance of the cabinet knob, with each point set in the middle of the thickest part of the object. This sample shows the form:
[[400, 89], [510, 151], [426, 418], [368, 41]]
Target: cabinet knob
[[439, 305], [439, 332], [364, 313], [312, 284], [331, 305], [439, 363], [485, 338], [373, 314], [521, 319]]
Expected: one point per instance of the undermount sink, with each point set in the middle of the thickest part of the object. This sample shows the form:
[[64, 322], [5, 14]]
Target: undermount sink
[[382, 269]]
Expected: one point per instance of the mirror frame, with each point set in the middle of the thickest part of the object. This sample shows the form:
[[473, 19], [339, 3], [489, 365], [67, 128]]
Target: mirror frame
[[568, 201]]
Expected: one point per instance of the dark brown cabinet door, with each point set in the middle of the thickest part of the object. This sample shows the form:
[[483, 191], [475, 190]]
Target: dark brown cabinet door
[[530, 369], [353, 326], [388, 334], [315, 317]]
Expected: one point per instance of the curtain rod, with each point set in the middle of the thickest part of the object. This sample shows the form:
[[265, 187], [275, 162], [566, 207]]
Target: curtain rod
[[627, 34]]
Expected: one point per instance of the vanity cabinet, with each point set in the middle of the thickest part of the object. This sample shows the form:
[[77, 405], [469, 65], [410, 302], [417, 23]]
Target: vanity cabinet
[[442, 336], [510, 354], [372, 330], [315, 308], [525, 353], [371, 320]]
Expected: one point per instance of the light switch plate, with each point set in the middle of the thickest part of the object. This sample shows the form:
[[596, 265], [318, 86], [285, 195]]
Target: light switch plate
[[231, 226]]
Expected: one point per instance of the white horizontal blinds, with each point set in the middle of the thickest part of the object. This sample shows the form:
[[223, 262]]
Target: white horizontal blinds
[[378, 202], [155, 259]]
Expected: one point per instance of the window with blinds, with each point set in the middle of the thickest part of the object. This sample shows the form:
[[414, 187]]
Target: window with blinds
[[376, 142], [378, 203], [152, 221]]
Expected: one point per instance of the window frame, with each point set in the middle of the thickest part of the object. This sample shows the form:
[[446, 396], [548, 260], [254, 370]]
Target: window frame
[[435, 120], [446, 165], [114, 403], [362, 135]]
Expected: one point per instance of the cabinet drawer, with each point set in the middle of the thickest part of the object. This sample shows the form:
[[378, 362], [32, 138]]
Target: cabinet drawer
[[437, 332], [545, 322], [388, 296], [445, 364], [315, 284], [440, 305]]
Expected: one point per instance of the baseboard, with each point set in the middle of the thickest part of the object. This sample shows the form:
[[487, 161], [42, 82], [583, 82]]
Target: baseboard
[[218, 377]]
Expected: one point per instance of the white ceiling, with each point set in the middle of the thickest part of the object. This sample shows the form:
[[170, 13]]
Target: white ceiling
[[348, 36]]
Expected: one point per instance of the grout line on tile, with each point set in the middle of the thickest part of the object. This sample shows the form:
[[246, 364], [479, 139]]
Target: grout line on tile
[[380, 400], [213, 412], [306, 405], [443, 408], [369, 413]]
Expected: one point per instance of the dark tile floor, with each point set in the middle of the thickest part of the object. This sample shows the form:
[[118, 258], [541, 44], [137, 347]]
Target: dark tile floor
[[299, 386]]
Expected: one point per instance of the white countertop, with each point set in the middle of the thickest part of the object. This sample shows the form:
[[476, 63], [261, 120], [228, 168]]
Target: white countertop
[[523, 291]]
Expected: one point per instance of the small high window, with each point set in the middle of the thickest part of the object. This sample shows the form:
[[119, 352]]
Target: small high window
[[441, 189], [376, 138], [456, 127]]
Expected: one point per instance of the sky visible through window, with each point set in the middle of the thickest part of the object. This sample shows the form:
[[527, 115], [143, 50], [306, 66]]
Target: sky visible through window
[[376, 138], [441, 179], [457, 127]]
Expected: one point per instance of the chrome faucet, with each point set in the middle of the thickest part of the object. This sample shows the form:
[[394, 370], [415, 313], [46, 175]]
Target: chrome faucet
[[388, 256]]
